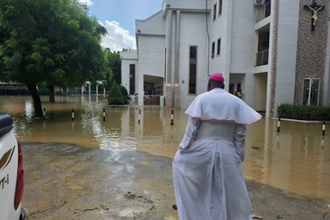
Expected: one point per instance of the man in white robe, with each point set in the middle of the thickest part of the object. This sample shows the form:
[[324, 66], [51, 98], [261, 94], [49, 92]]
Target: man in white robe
[[207, 169]]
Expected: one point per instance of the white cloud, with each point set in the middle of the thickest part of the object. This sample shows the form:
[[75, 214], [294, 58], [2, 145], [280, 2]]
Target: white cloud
[[86, 2], [117, 37]]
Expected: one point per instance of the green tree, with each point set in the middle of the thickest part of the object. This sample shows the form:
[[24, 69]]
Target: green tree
[[115, 97], [124, 93], [114, 63], [53, 42]]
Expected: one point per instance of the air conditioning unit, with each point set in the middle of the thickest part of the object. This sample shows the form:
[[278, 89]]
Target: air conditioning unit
[[259, 2]]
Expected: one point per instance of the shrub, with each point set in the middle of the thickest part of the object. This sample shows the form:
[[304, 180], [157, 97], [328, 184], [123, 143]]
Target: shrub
[[304, 112], [115, 97], [124, 93]]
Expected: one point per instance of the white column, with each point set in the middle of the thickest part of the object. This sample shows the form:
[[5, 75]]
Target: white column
[[177, 48]]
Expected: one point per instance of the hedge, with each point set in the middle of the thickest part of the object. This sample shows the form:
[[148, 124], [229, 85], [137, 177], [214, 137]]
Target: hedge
[[304, 112]]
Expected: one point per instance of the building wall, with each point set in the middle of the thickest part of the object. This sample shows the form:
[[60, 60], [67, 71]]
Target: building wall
[[151, 55], [273, 51], [294, 51], [154, 25], [326, 92], [151, 49], [235, 27], [191, 4], [272, 20], [312, 48], [242, 46], [220, 28], [128, 58], [193, 33], [243, 36], [286, 51]]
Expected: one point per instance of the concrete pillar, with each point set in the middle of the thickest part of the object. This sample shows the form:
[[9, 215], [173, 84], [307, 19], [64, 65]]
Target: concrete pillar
[[168, 99], [177, 96], [176, 92], [177, 48], [169, 48], [169, 85], [326, 85]]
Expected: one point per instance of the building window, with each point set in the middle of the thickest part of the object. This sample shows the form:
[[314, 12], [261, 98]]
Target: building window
[[214, 11], [132, 79], [220, 7], [192, 69], [213, 50], [311, 91], [219, 47]]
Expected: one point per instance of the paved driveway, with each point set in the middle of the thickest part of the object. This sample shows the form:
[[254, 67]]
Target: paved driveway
[[64, 181]]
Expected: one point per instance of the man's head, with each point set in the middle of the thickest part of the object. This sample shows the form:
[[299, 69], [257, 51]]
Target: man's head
[[216, 80]]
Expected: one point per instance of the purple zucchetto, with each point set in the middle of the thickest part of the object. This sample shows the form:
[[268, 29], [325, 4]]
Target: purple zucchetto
[[217, 77]]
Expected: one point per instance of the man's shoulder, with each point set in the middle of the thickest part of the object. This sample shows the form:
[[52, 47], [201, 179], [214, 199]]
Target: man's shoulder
[[202, 95]]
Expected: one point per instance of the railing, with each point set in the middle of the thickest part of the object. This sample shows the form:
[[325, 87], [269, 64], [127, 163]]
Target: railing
[[151, 100], [263, 11], [262, 58]]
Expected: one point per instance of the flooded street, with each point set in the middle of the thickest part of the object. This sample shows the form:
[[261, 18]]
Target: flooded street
[[296, 159]]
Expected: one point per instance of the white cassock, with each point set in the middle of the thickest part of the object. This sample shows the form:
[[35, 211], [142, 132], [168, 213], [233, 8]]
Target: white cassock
[[207, 170]]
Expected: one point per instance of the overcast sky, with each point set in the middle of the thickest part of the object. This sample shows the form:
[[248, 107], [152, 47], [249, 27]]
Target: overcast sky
[[118, 17]]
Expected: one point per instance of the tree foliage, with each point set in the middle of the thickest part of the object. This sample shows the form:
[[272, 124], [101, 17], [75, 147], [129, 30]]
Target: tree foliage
[[115, 96], [53, 41], [124, 93], [114, 62]]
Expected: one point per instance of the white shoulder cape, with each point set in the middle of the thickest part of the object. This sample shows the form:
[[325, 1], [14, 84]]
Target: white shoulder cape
[[218, 104]]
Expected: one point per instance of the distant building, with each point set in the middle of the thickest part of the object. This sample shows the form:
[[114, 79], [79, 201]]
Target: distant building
[[12, 88], [274, 51]]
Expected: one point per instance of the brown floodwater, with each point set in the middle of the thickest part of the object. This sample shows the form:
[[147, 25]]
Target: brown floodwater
[[296, 159]]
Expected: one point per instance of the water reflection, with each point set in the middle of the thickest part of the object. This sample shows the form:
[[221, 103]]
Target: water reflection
[[296, 159]]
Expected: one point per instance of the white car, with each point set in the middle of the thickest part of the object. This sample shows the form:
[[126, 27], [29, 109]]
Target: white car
[[11, 172]]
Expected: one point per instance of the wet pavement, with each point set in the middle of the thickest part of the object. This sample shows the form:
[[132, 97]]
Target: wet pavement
[[66, 181], [119, 167]]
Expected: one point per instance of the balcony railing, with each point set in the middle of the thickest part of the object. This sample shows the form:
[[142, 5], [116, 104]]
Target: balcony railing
[[262, 58], [263, 11]]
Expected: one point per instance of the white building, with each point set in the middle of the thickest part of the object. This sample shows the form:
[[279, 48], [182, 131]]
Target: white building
[[270, 49]]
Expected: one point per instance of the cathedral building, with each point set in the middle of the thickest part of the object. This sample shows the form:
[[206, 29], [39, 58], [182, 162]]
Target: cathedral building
[[272, 51]]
